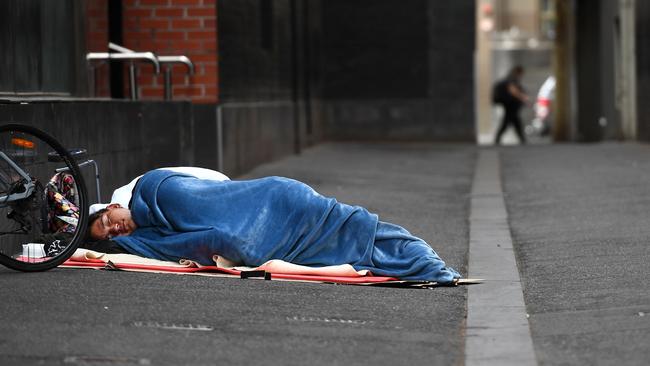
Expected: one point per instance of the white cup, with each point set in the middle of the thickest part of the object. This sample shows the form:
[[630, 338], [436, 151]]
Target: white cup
[[34, 250]]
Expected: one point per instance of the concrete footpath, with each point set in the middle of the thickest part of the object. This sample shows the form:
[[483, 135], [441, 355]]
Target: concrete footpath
[[560, 232]]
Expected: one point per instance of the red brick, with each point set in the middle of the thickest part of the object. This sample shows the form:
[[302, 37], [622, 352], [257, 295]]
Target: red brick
[[138, 12], [146, 68], [97, 38], [186, 23], [209, 23], [154, 23], [131, 23], [97, 23], [96, 5], [154, 2], [205, 100], [96, 12], [193, 90], [153, 45], [199, 80], [212, 90], [178, 77], [98, 26], [146, 76], [170, 12], [132, 35], [153, 93], [210, 46], [206, 79], [202, 12], [179, 69], [184, 46], [202, 35], [200, 58], [186, 2], [207, 69], [175, 36]]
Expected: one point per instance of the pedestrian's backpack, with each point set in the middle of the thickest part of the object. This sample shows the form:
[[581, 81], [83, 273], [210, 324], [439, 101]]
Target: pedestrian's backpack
[[500, 92]]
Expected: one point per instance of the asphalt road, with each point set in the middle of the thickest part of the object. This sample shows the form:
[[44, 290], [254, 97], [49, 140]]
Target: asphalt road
[[89, 317], [578, 216], [580, 221]]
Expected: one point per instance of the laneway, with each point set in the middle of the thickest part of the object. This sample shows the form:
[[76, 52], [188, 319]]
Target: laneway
[[99, 315], [578, 219]]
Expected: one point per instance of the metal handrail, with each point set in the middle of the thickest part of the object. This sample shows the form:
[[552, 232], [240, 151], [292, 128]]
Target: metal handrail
[[117, 48], [123, 53], [163, 60], [178, 60], [132, 56], [168, 70]]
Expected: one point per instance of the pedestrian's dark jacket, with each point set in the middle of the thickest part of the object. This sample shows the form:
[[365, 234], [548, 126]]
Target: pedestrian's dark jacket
[[501, 94]]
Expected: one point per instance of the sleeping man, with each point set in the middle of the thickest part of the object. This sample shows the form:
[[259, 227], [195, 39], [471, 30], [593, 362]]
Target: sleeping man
[[174, 215]]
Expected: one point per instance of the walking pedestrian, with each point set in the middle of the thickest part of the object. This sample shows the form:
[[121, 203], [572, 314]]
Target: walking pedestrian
[[512, 96]]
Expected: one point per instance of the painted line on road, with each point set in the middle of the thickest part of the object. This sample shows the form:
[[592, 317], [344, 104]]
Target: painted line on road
[[497, 330], [172, 326]]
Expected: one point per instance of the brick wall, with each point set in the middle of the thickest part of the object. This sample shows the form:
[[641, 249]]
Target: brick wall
[[97, 41], [166, 27], [175, 27]]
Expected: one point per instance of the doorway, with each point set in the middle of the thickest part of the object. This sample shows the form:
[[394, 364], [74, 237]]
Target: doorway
[[512, 33]]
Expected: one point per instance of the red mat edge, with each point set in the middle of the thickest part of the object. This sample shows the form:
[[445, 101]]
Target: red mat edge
[[335, 279]]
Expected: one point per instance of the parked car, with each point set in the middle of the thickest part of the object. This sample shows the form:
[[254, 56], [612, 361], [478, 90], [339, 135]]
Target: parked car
[[541, 123]]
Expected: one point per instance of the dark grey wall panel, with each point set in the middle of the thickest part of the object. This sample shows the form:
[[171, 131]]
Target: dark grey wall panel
[[595, 71], [43, 47], [609, 23], [129, 138], [125, 138], [27, 46], [254, 50], [587, 70], [255, 134], [360, 69], [57, 36], [399, 69], [7, 46], [397, 119], [643, 68], [451, 30], [375, 49], [205, 136], [269, 78]]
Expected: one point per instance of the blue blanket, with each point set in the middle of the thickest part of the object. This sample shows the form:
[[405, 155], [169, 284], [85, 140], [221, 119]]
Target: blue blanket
[[253, 221]]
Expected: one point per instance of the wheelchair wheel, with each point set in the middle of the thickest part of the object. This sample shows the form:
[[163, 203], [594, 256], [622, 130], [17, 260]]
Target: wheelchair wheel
[[43, 200]]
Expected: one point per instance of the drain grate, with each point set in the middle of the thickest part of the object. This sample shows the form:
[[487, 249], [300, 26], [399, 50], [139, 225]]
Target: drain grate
[[172, 326]]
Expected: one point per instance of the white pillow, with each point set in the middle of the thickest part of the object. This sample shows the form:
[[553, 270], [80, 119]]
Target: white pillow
[[122, 195]]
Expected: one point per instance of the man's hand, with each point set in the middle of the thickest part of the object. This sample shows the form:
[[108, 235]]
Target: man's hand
[[514, 90]]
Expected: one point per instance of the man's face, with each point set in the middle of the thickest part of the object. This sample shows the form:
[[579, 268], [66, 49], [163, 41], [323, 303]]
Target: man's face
[[116, 221]]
